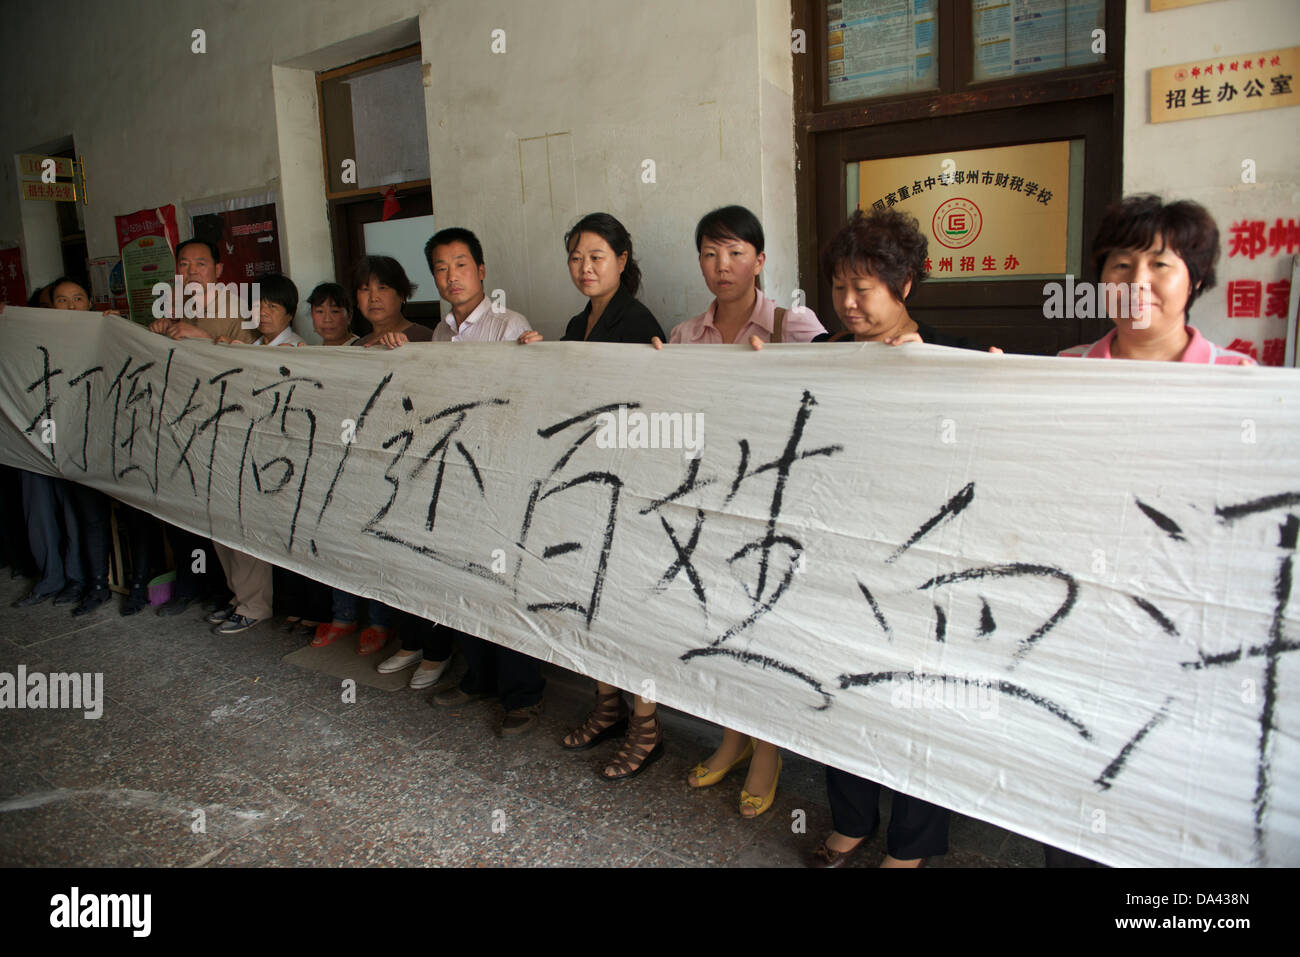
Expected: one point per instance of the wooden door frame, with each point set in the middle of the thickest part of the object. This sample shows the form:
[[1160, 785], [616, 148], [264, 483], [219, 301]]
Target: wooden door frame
[[1089, 120], [823, 129]]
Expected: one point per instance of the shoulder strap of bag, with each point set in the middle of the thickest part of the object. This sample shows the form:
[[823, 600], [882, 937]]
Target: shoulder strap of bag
[[778, 325]]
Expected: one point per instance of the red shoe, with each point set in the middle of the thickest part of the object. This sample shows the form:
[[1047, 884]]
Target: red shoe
[[327, 633], [373, 639]]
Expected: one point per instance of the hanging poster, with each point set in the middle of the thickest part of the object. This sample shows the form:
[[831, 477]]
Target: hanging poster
[[247, 230], [879, 48], [106, 285], [147, 241], [1015, 37]]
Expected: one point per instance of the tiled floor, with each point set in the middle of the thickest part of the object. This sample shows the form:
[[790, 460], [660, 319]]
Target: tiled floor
[[211, 751]]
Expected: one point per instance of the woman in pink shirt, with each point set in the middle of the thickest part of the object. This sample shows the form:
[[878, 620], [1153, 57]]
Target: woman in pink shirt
[[1163, 256], [1166, 254], [730, 245]]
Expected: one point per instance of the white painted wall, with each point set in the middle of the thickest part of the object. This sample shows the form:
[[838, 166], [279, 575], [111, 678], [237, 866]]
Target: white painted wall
[[524, 143], [1202, 159], [701, 89]]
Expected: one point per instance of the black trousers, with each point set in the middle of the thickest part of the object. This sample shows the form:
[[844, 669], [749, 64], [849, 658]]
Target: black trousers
[[916, 828], [14, 550], [298, 595], [144, 535], [499, 671], [52, 533], [420, 634], [211, 582], [90, 510]]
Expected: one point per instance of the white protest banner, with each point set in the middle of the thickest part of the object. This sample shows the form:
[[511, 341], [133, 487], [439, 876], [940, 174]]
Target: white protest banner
[[1054, 594]]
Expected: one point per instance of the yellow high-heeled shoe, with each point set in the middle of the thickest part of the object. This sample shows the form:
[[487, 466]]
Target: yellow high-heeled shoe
[[751, 805], [702, 777]]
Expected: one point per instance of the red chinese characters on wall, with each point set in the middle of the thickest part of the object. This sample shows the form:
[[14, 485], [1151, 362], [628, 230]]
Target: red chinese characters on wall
[[1258, 298]]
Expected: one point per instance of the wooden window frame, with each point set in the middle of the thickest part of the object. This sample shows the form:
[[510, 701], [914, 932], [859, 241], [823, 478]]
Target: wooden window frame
[[956, 93], [369, 63]]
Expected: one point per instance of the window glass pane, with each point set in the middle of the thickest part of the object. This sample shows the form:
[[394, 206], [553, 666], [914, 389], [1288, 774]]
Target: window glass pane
[[389, 126], [1015, 37], [404, 240], [375, 124], [880, 48]]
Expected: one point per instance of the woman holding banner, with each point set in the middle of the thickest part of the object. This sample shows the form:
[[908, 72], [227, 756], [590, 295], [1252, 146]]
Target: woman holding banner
[[1166, 255], [604, 269], [873, 264], [331, 317], [729, 242], [68, 523], [380, 290]]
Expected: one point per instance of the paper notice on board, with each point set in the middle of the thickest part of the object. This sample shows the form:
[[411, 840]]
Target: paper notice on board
[[879, 48], [1014, 37]]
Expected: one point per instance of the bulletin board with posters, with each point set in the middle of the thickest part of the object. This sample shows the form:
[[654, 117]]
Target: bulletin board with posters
[[147, 241], [988, 213], [245, 228]]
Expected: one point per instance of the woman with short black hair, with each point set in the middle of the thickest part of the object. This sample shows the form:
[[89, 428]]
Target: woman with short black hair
[[381, 288], [331, 314], [68, 523], [730, 244], [1162, 257]]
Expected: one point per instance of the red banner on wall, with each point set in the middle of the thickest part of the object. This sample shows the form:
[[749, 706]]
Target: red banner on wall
[[13, 287]]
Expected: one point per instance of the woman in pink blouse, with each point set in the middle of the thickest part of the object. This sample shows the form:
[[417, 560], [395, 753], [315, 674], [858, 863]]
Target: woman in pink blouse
[[730, 245], [1165, 254]]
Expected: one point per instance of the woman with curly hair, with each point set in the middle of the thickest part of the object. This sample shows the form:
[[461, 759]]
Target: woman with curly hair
[[873, 264]]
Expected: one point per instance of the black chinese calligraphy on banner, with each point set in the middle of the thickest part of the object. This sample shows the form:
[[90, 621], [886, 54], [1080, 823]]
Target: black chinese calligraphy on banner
[[1050, 593]]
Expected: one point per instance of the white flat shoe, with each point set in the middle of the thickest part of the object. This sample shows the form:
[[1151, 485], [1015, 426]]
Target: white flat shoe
[[403, 659], [428, 677]]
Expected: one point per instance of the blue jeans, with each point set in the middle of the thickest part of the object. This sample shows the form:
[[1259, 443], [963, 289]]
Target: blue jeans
[[347, 607]]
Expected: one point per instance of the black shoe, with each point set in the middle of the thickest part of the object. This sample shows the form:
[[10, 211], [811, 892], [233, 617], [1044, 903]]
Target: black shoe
[[30, 599], [174, 606], [135, 602], [235, 624], [93, 599], [224, 613], [70, 594]]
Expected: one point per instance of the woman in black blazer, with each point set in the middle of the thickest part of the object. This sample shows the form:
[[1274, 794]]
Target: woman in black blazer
[[604, 270]]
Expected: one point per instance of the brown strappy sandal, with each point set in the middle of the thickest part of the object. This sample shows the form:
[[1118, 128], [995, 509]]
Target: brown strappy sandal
[[643, 746], [608, 719]]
